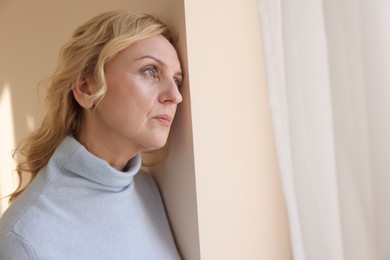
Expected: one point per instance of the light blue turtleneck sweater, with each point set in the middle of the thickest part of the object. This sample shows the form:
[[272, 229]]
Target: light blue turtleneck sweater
[[79, 207]]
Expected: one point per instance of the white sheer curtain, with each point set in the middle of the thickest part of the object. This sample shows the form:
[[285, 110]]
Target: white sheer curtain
[[329, 91]]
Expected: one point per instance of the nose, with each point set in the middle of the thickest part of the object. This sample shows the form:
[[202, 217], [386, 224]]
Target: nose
[[170, 93]]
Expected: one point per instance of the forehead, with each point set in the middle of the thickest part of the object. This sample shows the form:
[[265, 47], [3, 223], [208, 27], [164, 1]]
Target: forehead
[[157, 46]]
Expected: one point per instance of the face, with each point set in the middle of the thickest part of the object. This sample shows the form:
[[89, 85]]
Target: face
[[137, 110]]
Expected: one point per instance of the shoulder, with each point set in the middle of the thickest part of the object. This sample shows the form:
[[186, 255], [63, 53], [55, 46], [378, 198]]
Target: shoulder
[[17, 211], [27, 203], [13, 246], [17, 227], [26, 216]]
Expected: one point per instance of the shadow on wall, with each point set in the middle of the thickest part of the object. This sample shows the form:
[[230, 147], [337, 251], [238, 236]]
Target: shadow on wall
[[18, 117], [6, 145], [16, 123], [21, 106], [19, 102]]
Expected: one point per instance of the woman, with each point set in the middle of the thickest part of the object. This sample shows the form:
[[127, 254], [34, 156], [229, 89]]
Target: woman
[[114, 95]]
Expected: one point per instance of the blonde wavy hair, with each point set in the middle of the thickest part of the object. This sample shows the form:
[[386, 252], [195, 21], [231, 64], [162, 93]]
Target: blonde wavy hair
[[91, 46]]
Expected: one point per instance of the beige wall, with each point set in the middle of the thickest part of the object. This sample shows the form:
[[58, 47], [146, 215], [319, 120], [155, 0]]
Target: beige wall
[[240, 205], [220, 183]]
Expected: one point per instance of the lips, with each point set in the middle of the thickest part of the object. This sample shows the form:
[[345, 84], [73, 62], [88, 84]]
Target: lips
[[165, 120]]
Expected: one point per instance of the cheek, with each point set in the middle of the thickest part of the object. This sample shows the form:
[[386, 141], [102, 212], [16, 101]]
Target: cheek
[[130, 108], [131, 96]]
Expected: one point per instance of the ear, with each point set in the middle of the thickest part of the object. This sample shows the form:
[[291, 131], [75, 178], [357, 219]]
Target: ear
[[83, 89]]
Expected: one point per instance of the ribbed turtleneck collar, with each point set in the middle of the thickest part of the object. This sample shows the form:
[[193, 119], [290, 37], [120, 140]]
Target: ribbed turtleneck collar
[[81, 162]]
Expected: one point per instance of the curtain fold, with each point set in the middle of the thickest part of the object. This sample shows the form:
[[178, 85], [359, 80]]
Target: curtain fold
[[351, 128], [329, 92]]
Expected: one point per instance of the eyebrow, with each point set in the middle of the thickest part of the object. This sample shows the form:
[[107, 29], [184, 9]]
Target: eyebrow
[[179, 73]]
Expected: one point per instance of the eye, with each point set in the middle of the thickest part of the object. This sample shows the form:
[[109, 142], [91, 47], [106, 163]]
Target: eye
[[151, 71], [178, 83]]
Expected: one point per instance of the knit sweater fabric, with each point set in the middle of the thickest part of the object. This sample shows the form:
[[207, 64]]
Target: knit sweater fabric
[[79, 207]]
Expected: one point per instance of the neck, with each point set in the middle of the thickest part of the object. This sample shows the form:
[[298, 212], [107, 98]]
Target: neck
[[116, 153]]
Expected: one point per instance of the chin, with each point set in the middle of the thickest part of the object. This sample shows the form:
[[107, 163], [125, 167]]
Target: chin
[[161, 145], [158, 144]]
